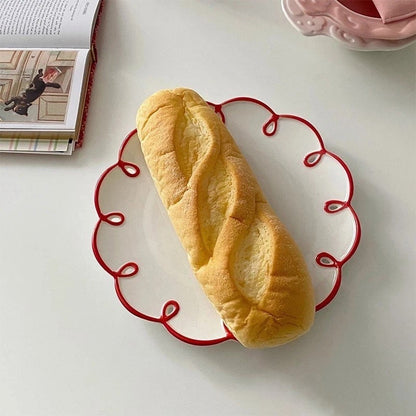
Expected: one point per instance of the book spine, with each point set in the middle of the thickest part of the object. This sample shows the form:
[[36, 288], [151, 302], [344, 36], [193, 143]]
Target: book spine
[[94, 57]]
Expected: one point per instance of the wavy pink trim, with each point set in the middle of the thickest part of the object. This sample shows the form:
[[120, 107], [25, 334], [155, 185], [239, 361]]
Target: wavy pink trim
[[356, 31]]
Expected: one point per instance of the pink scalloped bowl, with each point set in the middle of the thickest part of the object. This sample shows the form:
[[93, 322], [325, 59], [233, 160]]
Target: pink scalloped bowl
[[310, 188], [362, 31]]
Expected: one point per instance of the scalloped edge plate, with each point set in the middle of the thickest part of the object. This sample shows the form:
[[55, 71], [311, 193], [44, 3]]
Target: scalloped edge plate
[[310, 188]]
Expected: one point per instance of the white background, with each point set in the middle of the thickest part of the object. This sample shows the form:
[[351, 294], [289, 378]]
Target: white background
[[68, 347]]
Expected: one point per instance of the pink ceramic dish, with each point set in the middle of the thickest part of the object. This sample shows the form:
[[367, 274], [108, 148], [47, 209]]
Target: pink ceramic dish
[[356, 24]]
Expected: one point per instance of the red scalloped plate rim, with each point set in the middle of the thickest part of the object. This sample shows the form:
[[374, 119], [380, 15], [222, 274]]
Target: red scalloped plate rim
[[171, 308]]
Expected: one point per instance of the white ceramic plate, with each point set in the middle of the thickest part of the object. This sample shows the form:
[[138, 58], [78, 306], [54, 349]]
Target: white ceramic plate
[[309, 187]]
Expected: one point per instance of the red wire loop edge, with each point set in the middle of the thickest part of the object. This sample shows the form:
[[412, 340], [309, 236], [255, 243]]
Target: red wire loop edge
[[171, 308], [311, 160]]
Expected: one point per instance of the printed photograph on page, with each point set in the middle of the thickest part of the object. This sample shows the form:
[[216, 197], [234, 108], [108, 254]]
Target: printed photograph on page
[[35, 85]]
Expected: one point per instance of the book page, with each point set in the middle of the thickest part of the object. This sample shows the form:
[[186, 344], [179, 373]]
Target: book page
[[47, 23], [59, 147], [41, 89]]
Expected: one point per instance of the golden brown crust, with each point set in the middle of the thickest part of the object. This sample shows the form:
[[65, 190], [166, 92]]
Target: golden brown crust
[[245, 260]]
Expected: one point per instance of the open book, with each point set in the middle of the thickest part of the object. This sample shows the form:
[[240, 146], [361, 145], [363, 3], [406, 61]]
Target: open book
[[47, 60]]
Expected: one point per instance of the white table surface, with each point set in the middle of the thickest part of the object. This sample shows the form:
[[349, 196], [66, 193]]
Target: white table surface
[[68, 347]]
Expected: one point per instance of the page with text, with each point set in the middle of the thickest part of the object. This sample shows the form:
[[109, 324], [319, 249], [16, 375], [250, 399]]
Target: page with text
[[47, 23]]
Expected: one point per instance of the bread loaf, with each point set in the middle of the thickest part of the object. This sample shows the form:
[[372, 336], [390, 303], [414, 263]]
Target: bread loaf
[[242, 255]]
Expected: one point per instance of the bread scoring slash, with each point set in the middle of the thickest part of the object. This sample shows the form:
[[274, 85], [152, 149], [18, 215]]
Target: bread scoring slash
[[245, 260]]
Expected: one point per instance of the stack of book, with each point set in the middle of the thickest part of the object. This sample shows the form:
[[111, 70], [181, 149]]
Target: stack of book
[[47, 62]]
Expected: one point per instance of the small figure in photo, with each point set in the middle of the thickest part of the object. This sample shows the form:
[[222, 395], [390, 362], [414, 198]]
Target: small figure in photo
[[21, 103]]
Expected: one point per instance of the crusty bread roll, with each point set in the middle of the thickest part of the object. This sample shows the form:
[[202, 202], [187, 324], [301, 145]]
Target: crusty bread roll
[[242, 255]]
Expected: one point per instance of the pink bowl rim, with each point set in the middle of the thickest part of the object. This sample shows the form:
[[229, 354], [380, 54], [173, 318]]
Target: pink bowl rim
[[356, 23]]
